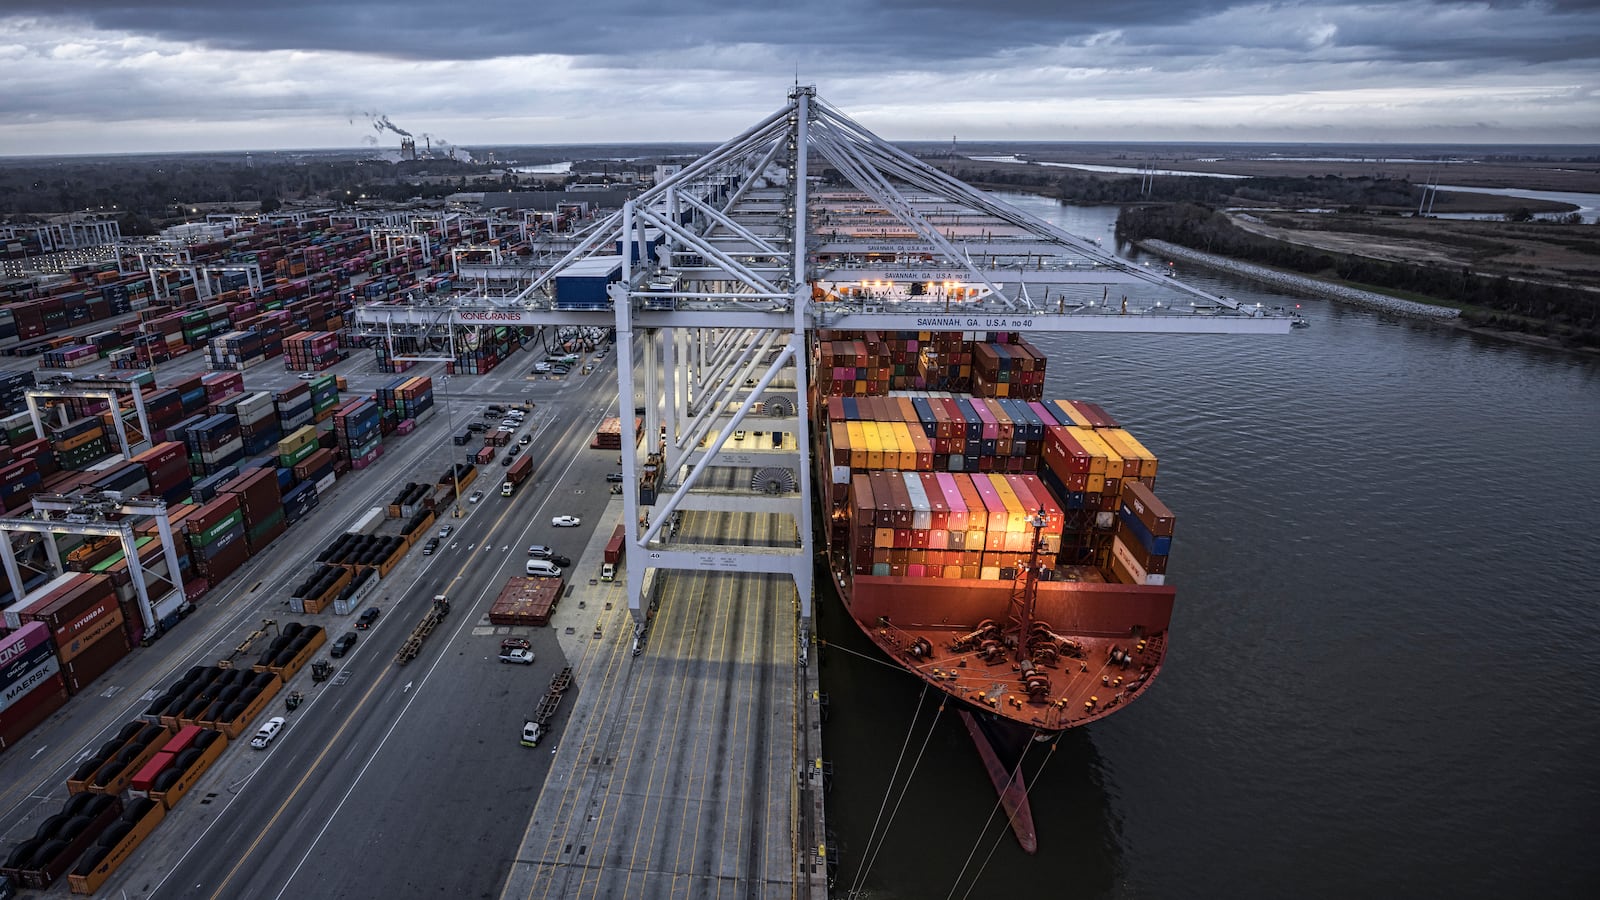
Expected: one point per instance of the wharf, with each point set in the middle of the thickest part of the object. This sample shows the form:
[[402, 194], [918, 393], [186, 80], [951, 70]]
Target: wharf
[[682, 771]]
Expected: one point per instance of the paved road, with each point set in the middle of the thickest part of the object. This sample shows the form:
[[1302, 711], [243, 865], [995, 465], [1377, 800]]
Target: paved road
[[389, 778]]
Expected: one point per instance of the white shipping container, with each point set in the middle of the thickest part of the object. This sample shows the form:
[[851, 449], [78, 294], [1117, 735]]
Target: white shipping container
[[368, 523]]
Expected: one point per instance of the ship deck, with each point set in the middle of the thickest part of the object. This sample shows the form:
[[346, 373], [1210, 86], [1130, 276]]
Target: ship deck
[[1117, 633]]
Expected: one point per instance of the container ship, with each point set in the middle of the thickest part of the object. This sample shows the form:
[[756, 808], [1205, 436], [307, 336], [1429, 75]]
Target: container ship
[[1005, 549]]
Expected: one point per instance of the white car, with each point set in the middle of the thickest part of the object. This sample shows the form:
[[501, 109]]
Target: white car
[[517, 657], [476, 496], [307, 376], [268, 731], [566, 521]]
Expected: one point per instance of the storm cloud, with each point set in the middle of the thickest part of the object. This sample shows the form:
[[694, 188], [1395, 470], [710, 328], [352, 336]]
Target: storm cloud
[[104, 76]]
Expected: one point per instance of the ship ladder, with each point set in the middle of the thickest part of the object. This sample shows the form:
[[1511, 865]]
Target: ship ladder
[[876, 836]]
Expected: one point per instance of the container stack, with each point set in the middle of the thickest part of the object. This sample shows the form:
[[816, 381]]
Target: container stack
[[216, 536], [80, 442], [310, 351], [926, 432], [192, 394], [69, 357], [13, 384], [124, 477], [396, 366], [258, 422], [31, 682], [1014, 370], [948, 525], [222, 385], [164, 408], [851, 368], [324, 397], [319, 469], [408, 398], [82, 625], [494, 345], [19, 480], [1094, 478], [300, 500], [1143, 537], [293, 407], [214, 443], [355, 427], [235, 350], [294, 449], [261, 505]]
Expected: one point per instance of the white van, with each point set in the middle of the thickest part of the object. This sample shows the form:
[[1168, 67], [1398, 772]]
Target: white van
[[543, 568]]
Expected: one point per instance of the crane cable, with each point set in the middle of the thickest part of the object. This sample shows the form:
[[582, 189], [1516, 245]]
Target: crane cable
[[873, 835], [861, 874], [998, 802]]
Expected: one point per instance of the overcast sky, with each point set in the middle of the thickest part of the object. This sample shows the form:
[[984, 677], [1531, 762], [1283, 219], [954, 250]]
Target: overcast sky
[[99, 76]]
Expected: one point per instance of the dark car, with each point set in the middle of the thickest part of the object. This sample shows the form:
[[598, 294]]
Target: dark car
[[343, 644], [560, 560], [368, 616], [477, 426], [614, 477], [508, 459], [430, 546]]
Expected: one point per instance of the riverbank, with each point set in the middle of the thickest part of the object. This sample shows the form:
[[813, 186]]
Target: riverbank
[[1288, 280], [1354, 296]]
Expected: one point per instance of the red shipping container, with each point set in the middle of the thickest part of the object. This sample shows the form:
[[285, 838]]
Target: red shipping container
[[147, 774]]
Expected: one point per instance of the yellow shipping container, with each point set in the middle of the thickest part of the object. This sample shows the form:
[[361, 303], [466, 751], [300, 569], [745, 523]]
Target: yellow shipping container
[[858, 444], [1090, 440], [874, 441], [1016, 515], [296, 440], [1131, 447], [908, 449], [1072, 414]]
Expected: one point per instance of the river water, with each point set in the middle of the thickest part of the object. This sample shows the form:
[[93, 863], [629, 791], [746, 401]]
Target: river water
[[1383, 672]]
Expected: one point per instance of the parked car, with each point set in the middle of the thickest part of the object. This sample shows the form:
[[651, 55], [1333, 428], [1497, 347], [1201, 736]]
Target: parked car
[[515, 643], [508, 459], [540, 551], [517, 657], [476, 496], [430, 546], [477, 427], [560, 560], [343, 644], [446, 531], [616, 489], [525, 440], [269, 730], [368, 616], [614, 477], [565, 521], [541, 368], [307, 376]]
